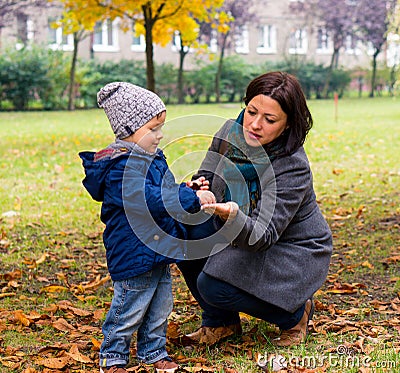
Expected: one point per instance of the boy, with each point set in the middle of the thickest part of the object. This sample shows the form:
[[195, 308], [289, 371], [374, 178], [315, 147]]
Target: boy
[[140, 206]]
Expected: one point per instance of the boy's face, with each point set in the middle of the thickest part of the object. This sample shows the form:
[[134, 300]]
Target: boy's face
[[149, 136]]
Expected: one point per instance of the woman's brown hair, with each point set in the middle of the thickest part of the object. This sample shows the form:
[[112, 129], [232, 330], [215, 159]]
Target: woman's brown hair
[[286, 90]]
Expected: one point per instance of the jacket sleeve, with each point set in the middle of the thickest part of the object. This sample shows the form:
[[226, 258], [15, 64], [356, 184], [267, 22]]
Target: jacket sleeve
[[284, 190], [160, 200]]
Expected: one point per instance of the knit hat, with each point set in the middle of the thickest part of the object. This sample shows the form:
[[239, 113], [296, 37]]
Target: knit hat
[[128, 107]]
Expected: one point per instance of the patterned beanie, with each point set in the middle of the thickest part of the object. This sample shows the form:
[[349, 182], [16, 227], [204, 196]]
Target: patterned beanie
[[128, 107]]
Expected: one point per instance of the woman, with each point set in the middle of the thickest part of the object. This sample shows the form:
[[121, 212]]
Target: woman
[[277, 243]]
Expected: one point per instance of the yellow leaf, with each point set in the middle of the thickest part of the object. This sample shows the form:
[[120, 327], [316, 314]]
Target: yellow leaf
[[21, 318], [96, 344], [5, 295], [42, 258], [53, 289], [367, 264]]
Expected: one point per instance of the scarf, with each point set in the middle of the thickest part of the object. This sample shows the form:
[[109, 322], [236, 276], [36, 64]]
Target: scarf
[[121, 146], [244, 165]]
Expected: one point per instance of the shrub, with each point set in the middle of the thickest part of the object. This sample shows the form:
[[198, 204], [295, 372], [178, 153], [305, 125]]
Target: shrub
[[33, 74], [96, 74]]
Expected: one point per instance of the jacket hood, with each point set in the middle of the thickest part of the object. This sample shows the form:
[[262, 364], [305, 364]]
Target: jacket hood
[[97, 165], [95, 174]]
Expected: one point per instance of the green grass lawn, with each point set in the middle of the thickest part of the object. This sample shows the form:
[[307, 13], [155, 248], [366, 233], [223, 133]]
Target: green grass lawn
[[50, 234]]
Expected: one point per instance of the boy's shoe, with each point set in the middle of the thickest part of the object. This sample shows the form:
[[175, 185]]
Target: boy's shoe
[[165, 365], [298, 334], [113, 369]]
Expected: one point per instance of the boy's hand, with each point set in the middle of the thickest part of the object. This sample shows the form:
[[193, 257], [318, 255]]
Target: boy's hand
[[226, 211], [206, 197], [199, 184]]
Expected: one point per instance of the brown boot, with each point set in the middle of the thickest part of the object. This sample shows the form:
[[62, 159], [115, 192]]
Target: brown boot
[[209, 335], [165, 365], [297, 334]]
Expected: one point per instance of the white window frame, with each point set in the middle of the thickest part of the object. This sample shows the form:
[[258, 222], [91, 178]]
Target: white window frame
[[105, 46], [137, 47], [242, 43], [30, 34], [327, 47], [176, 41], [59, 44], [213, 45], [301, 40], [393, 50], [141, 46], [348, 46], [267, 40]]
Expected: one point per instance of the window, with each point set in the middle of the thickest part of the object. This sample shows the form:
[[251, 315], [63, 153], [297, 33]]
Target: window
[[25, 31], [210, 39], [324, 44], [298, 42], [57, 39], [393, 49], [242, 40], [351, 45], [266, 39], [106, 36], [138, 42]]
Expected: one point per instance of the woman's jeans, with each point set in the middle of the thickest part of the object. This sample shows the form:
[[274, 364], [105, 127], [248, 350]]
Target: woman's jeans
[[143, 304], [222, 302]]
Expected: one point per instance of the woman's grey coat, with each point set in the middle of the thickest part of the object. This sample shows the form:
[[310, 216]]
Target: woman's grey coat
[[281, 253]]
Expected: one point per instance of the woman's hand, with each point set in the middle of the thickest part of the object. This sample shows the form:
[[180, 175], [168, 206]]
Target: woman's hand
[[206, 197], [199, 184], [226, 211]]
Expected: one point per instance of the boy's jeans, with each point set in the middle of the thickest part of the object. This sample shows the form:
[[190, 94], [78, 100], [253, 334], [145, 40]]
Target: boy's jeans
[[143, 304]]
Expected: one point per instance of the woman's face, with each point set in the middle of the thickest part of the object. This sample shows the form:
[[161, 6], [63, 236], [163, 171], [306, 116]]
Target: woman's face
[[264, 121]]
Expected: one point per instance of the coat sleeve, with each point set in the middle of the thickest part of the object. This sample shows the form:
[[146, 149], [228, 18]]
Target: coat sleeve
[[284, 189]]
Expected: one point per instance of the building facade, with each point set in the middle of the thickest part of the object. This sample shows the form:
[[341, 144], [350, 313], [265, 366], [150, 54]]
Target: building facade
[[275, 35]]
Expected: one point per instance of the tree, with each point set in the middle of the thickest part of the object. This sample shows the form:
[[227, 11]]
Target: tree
[[151, 18], [186, 33], [373, 20], [337, 18], [234, 16], [80, 25]]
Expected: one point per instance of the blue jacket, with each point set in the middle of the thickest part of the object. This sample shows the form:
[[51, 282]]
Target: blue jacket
[[142, 209]]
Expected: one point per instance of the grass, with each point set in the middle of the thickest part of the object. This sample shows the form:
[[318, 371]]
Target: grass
[[50, 232]]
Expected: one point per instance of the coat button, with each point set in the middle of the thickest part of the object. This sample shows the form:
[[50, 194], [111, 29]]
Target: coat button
[[156, 237]]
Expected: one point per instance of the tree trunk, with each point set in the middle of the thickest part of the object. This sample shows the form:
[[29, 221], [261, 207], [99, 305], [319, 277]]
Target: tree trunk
[[148, 24], [71, 90], [334, 60], [91, 46], [373, 78], [182, 54], [219, 70], [151, 82]]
